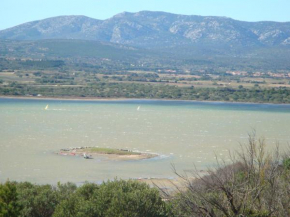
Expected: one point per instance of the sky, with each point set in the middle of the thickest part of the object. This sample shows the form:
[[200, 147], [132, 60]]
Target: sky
[[15, 12]]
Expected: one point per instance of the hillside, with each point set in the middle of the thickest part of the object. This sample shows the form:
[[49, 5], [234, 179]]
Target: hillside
[[155, 29], [61, 48]]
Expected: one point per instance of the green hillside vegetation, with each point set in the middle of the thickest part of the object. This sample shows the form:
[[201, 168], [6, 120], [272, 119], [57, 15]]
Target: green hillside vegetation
[[93, 54], [65, 49]]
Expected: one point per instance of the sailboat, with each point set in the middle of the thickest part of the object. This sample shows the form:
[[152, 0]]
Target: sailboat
[[46, 107], [138, 108]]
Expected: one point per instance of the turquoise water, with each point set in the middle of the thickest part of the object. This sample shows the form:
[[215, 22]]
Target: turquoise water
[[183, 133]]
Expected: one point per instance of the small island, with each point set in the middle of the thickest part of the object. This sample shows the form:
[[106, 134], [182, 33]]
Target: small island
[[109, 153]]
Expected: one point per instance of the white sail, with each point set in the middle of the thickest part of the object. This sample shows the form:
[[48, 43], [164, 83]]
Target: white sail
[[138, 108], [46, 107]]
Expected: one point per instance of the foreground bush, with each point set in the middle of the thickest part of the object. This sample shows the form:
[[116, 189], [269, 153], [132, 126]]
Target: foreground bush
[[113, 198], [9, 206], [118, 198], [41, 200], [255, 184]]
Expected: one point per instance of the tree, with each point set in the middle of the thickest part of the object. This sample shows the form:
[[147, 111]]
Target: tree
[[9, 206], [69, 207], [36, 200], [114, 198]]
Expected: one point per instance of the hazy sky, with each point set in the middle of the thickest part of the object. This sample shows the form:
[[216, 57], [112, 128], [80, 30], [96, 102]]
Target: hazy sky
[[14, 12]]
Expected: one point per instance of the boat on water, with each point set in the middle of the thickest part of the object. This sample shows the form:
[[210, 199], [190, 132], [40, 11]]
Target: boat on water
[[46, 107], [138, 108], [87, 156]]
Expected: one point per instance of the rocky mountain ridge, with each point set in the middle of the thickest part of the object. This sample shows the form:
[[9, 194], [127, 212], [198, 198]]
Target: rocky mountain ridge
[[155, 29]]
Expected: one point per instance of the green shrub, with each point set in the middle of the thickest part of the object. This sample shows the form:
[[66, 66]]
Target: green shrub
[[286, 163], [9, 206], [114, 198]]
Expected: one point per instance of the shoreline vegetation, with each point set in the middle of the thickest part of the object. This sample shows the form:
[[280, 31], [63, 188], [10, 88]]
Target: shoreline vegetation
[[109, 153], [120, 91]]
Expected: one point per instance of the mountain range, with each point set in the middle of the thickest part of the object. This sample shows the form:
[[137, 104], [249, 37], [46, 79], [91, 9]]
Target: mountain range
[[156, 30]]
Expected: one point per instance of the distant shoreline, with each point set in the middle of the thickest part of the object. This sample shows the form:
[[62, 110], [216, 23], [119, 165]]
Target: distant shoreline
[[130, 99], [66, 98]]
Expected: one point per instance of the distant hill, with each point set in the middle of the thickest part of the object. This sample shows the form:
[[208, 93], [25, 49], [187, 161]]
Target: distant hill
[[150, 40], [156, 30], [66, 48]]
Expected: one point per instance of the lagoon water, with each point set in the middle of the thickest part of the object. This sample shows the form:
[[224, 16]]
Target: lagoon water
[[183, 133]]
